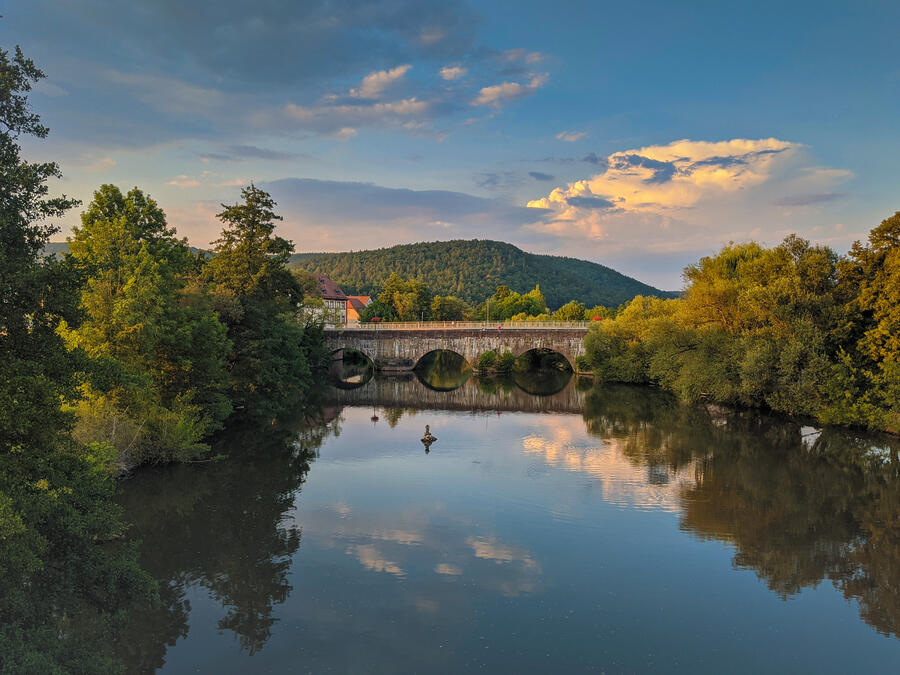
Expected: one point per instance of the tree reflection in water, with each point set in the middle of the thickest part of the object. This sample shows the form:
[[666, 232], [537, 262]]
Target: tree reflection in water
[[797, 512], [222, 526], [443, 370]]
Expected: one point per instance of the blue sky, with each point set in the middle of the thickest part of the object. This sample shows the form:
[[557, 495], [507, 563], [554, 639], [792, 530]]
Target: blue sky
[[640, 135]]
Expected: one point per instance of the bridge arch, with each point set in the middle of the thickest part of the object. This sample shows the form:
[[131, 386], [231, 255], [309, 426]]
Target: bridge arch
[[437, 352], [542, 353], [443, 369], [350, 367]]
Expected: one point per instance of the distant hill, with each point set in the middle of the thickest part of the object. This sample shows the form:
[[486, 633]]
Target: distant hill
[[472, 270]]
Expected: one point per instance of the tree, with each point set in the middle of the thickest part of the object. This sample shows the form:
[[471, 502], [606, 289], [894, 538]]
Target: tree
[[571, 311], [449, 308], [249, 257], [376, 309], [409, 299], [58, 587], [258, 299], [505, 304], [159, 383], [794, 328], [878, 266]]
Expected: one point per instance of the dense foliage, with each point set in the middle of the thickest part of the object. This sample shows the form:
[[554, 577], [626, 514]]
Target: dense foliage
[[131, 349], [795, 328], [257, 298], [410, 300], [157, 380], [59, 588], [471, 270]]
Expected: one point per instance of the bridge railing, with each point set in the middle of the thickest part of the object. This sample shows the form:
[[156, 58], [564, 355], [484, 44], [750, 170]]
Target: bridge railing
[[462, 325]]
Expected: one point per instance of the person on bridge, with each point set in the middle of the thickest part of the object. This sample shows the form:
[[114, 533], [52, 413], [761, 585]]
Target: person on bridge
[[498, 327]]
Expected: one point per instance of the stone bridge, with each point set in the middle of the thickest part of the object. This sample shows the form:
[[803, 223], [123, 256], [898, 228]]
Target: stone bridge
[[402, 346]]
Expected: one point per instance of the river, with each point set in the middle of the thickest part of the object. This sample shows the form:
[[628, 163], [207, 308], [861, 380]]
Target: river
[[553, 526]]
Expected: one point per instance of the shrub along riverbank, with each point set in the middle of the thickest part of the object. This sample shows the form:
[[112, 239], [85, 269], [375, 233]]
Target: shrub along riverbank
[[795, 328]]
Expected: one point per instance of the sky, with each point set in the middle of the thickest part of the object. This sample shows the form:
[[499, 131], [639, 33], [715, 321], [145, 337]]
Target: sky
[[640, 135]]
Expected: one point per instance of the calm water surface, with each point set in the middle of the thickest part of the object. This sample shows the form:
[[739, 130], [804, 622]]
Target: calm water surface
[[609, 529]]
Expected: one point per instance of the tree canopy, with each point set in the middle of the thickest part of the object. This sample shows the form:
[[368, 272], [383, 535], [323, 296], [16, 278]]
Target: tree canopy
[[795, 328]]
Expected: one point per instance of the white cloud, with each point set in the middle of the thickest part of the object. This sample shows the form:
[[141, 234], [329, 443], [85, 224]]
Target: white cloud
[[688, 196], [207, 178], [447, 569], [498, 94], [662, 178], [345, 133], [342, 120], [453, 72], [234, 182], [431, 36], [571, 136], [374, 84], [94, 164], [49, 89]]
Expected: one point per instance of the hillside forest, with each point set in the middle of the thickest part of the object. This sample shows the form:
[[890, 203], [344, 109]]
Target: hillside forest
[[472, 270]]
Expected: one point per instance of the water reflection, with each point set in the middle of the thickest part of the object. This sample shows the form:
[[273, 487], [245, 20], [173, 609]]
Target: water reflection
[[796, 513], [219, 525], [542, 382], [554, 509], [443, 370], [353, 369]]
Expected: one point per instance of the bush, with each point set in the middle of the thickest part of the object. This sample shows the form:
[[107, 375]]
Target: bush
[[583, 364], [506, 362], [487, 360]]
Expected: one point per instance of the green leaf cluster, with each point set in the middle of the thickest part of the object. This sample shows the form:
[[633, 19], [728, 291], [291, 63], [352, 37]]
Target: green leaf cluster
[[506, 304], [794, 328]]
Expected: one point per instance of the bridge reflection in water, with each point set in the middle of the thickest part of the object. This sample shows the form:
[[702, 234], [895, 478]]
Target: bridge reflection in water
[[526, 392]]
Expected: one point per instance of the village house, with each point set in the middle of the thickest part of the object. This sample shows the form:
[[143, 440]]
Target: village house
[[355, 306], [335, 300]]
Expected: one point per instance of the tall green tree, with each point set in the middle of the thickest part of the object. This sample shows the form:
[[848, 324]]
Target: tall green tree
[[506, 304], [571, 311], [158, 384], [257, 297], [59, 588], [449, 308]]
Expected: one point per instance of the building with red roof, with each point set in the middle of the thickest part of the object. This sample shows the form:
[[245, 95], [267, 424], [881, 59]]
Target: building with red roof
[[334, 298], [355, 306]]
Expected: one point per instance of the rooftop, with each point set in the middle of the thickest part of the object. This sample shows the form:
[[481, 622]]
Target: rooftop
[[329, 289]]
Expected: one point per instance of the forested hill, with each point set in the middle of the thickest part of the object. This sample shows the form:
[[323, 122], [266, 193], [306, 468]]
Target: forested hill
[[472, 270]]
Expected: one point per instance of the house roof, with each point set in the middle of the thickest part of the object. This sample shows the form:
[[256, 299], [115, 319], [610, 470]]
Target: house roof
[[359, 302], [329, 289]]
